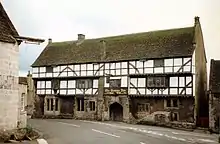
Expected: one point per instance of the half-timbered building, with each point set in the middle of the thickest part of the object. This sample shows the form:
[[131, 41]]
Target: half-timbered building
[[151, 74]]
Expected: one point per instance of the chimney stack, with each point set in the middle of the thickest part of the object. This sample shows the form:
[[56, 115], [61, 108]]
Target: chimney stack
[[81, 37], [196, 20], [49, 40]]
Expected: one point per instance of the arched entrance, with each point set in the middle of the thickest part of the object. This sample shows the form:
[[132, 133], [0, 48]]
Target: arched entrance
[[116, 112]]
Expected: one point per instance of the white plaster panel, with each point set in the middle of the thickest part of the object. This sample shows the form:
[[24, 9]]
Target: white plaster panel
[[180, 90], [141, 70], [42, 69], [141, 82], [89, 91], [89, 67], [89, 73], [35, 75], [78, 91], [140, 64], [194, 82], [168, 62], [49, 74], [83, 73], [71, 92], [124, 72], [107, 71], [160, 92], [62, 68], [148, 91], [63, 92], [42, 91], [71, 73], [55, 74], [35, 70], [133, 91], [106, 84], [101, 72], [134, 81], [186, 60], [124, 64], [48, 91], [83, 67], [176, 68], [131, 64], [168, 69], [158, 70], [165, 91], [42, 74], [48, 84], [149, 63], [155, 91], [95, 91], [71, 67], [173, 91], [131, 71], [56, 69], [118, 72], [96, 67], [38, 91], [182, 81], [95, 83], [186, 68], [77, 73], [148, 70], [142, 90], [188, 79], [173, 81], [188, 90], [77, 67], [63, 84], [124, 81], [106, 65], [112, 72], [118, 65], [71, 83], [112, 65], [177, 61], [63, 74], [38, 84]]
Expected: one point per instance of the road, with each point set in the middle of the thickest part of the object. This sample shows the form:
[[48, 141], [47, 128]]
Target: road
[[63, 131]]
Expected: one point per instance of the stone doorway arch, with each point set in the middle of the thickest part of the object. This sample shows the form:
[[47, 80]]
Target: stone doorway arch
[[116, 112]]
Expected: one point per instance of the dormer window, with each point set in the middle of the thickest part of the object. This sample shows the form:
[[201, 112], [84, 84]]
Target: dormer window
[[159, 63]]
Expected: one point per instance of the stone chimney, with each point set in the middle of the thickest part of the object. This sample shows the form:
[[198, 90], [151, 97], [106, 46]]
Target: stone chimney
[[103, 46], [49, 40], [81, 38], [196, 20]]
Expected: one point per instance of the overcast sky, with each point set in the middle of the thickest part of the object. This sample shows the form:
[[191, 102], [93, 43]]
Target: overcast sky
[[63, 20]]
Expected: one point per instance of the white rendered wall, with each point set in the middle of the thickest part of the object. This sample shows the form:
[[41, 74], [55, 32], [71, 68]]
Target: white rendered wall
[[9, 98]]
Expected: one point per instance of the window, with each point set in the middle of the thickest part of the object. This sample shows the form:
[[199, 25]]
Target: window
[[52, 104], [115, 83], [49, 69], [157, 82], [143, 107], [172, 103], [80, 104], [84, 84], [159, 63], [92, 105], [22, 101], [55, 84], [174, 116]]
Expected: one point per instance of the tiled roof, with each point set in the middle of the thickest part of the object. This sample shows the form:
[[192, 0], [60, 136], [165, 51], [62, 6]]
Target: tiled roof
[[214, 80], [7, 29], [147, 45]]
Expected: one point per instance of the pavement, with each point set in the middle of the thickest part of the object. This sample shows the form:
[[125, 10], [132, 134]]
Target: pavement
[[63, 131]]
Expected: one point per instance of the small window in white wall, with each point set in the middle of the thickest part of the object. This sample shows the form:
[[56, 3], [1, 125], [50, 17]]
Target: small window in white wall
[[71, 83], [48, 84], [168, 62], [177, 61], [35, 70], [185, 60], [159, 63], [173, 81]]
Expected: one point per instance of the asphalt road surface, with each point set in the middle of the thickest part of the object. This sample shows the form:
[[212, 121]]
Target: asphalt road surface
[[62, 131]]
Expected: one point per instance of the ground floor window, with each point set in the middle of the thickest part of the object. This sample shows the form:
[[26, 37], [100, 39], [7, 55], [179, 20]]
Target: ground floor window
[[52, 104], [143, 107], [174, 116], [80, 104], [92, 105], [172, 103]]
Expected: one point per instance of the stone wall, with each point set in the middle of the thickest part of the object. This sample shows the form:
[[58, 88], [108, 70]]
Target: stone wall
[[30, 95], [214, 113], [160, 114], [9, 98], [22, 113]]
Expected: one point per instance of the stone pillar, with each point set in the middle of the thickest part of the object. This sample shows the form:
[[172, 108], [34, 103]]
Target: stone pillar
[[100, 99]]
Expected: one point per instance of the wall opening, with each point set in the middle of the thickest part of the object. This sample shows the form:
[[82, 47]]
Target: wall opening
[[116, 112]]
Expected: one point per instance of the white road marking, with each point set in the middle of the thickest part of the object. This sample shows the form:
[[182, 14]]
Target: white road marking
[[69, 124], [105, 133], [207, 140], [42, 141], [142, 143]]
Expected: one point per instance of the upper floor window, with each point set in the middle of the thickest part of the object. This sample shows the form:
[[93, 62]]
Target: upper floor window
[[84, 83], [159, 63], [115, 83], [49, 69], [157, 82]]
